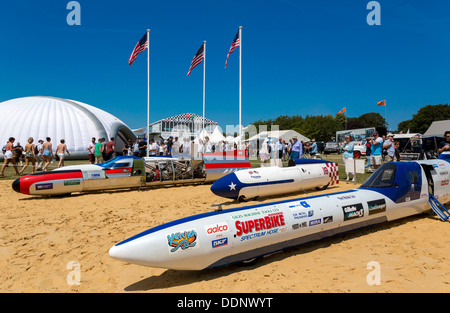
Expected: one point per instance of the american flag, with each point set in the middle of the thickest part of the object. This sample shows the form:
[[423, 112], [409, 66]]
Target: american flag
[[140, 47], [234, 44], [198, 58]]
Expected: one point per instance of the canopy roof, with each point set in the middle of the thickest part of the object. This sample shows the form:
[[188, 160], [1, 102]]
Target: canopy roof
[[437, 128], [283, 134]]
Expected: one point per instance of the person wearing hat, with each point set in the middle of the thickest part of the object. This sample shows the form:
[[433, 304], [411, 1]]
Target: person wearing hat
[[313, 150], [296, 151], [388, 144]]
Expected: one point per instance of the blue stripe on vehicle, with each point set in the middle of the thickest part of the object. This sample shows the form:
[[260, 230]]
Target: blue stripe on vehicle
[[226, 211]]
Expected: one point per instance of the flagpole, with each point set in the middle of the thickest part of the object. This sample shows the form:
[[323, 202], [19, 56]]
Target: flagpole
[[204, 74], [240, 87], [346, 117], [148, 89]]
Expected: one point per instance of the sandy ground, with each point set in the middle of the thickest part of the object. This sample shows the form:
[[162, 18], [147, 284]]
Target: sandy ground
[[40, 237]]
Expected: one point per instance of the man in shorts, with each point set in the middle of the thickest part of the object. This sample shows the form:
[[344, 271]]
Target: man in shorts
[[60, 152], [376, 149], [98, 151]]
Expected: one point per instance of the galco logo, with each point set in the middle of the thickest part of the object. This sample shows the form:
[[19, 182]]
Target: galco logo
[[216, 229]]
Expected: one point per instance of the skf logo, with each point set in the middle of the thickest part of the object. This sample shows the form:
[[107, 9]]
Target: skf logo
[[219, 242]]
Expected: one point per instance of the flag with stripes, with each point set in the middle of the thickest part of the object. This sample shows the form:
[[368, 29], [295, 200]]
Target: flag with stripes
[[381, 103], [198, 58], [234, 44], [140, 47]]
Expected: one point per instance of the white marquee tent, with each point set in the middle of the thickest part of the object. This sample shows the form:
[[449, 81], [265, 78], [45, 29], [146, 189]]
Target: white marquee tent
[[437, 128], [283, 134], [75, 122]]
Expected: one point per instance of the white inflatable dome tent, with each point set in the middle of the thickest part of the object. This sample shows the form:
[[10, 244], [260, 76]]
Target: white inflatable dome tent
[[75, 122]]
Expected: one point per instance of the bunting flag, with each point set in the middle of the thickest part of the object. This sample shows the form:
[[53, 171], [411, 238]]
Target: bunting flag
[[140, 47], [234, 45], [198, 58], [342, 111], [381, 103]]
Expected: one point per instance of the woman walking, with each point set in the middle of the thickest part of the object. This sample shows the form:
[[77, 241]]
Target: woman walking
[[9, 156], [48, 153], [29, 156]]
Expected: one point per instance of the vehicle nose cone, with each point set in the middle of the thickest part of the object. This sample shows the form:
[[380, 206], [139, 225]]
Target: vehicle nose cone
[[227, 186], [116, 252], [16, 185]]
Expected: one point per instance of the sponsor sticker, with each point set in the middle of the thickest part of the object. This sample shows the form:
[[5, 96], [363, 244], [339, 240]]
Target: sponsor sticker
[[328, 219], [254, 174], [216, 229], [183, 240], [303, 214], [219, 242], [346, 197], [315, 222], [353, 211], [259, 227], [72, 182], [45, 186], [299, 225], [376, 206]]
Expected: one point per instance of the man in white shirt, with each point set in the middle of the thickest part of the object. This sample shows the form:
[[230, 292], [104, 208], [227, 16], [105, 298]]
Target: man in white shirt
[[91, 148], [152, 148], [175, 146], [279, 146], [136, 147], [186, 146]]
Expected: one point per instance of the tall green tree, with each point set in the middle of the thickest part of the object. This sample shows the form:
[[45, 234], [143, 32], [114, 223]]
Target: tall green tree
[[426, 115]]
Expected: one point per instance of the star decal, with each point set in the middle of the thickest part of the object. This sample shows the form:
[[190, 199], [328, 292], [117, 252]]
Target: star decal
[[232, 186]]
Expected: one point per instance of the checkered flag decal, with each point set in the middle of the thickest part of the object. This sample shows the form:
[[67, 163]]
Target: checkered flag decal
[[333, 173]]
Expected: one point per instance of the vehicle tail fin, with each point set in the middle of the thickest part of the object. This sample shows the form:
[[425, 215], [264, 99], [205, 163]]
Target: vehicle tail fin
[[438, 208]]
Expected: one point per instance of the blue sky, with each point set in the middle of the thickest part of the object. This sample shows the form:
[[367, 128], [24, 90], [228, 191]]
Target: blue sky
[[299, 57]]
